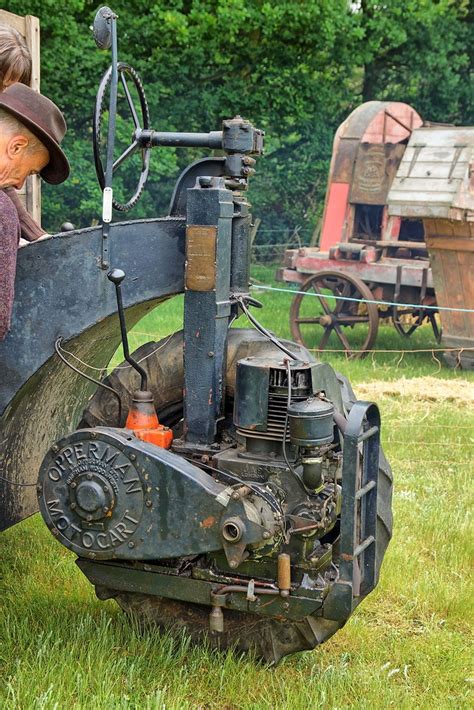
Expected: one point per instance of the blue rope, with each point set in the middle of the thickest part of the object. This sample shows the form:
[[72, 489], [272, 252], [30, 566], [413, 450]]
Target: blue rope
[[362, 300]]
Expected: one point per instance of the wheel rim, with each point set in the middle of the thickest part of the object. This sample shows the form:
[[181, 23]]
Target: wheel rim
[[324, 323], [140, 119]]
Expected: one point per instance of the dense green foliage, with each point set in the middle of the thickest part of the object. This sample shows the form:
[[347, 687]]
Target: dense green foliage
[[296, 69]]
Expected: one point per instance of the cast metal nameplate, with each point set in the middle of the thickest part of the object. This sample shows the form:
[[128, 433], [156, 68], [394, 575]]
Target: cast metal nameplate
[[201, 258]]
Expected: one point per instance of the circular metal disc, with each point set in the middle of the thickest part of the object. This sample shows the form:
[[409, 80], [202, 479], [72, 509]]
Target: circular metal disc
[[102, 28]]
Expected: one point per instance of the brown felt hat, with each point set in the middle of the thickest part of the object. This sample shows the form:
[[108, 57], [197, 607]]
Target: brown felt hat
[[45, 121]]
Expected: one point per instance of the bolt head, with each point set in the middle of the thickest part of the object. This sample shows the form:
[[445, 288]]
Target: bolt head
[[73, 506], [73, 484], [55, 449], [233, 564], [132, 457], [131, 544], [148, 503], [89, 476], [266, 535]]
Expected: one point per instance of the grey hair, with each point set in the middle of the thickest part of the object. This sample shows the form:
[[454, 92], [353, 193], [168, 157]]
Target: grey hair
[[15, 57], [13, 126]]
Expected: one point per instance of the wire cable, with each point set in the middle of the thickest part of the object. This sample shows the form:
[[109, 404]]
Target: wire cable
[[285, 428], [57, 347], [264, 331], [255, 487], [264, 287], [122, 367]]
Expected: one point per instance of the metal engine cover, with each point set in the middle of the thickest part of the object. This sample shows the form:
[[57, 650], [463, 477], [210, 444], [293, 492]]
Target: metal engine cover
[[92, 495], [106, 495]]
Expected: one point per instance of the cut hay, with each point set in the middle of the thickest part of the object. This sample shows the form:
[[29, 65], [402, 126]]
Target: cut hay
[[426, 389]]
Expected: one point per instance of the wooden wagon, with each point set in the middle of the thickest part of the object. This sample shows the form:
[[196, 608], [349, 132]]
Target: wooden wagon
[[435, 183], [366, 253]]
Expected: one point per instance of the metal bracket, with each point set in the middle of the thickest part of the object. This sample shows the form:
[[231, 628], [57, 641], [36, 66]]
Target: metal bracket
[[357, 575]]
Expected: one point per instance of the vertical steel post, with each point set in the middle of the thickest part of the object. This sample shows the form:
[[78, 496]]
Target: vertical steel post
[[240, 266], [207, 308]]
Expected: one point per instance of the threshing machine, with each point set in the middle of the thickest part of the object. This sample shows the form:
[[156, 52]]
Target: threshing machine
[[221, 480], [365, 255]]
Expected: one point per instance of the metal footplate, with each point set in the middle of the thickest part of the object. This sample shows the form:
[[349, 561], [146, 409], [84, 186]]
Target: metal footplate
[[357, 576]]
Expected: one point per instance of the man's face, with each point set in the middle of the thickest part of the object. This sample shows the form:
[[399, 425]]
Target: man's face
[[16, 162]]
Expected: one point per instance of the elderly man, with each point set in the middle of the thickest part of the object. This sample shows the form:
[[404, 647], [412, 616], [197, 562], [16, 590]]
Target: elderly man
[[31, 130]]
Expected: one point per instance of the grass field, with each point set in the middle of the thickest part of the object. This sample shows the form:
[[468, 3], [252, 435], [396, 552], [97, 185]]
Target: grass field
[[407, 646]]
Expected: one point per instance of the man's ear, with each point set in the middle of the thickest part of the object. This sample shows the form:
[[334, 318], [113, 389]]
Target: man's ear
[[16, 145]]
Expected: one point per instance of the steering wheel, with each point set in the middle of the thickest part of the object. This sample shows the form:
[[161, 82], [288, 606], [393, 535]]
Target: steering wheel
[[125, 72]]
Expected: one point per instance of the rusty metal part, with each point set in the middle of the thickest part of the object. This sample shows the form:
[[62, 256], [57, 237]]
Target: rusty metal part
[[268, 639], [407, 320], [314, 319], [284, 574]]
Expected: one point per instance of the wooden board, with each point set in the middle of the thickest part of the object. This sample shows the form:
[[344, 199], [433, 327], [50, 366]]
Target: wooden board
[[451, 249], [432, 178], [28, 26]]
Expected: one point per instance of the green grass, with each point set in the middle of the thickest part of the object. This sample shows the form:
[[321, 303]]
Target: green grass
[[407, 646]]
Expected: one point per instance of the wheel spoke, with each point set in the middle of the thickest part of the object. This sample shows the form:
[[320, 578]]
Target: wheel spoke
[[307, 320], [129, 100], [342, 338], [346, 292], [321, 299], [144, 154], [324, 340], [351, 320], [129, 151]]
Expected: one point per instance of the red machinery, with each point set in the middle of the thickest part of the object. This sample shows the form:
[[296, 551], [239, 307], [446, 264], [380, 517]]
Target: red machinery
[[364, 253]]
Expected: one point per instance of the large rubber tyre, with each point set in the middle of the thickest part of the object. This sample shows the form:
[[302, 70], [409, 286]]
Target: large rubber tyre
[[268, 639]]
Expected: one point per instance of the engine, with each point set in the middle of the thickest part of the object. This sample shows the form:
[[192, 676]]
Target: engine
[[276, 519], [271, 488]]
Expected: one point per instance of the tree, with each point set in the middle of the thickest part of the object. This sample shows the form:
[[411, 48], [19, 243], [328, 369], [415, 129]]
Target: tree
[[295, 69], [420, 52]]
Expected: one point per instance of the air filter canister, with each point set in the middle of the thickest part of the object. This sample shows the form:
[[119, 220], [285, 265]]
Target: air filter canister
[[311, 422]]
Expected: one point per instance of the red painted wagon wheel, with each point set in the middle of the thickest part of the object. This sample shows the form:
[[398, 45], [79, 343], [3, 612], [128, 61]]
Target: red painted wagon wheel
[[335, 323]]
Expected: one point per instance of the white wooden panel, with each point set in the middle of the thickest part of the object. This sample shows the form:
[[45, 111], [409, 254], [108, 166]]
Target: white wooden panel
[[430, 168], [436, 154], [433, 169], [415, 210], [426, 184], [417, 196], [443, 137]]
